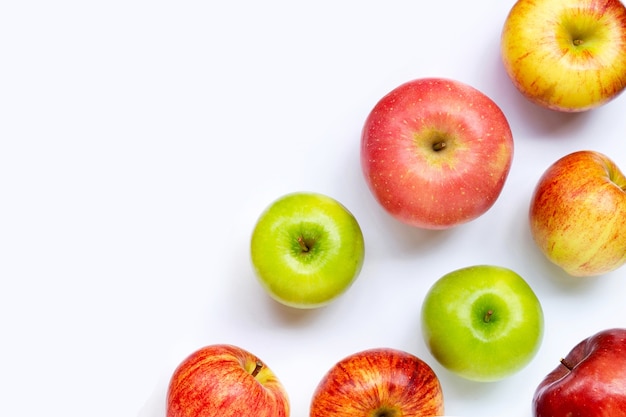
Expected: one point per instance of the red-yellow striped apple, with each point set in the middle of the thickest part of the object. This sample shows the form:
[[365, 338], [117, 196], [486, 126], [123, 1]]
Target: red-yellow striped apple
[[566, 55], [578, 214], [381, 382], [436, 152], [225, 381]]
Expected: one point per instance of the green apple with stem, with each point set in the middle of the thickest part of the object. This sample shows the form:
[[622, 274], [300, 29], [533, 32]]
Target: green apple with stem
[[482, 322], [306, 249], [566, 55]]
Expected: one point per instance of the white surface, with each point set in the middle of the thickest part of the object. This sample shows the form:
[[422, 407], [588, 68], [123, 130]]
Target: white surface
[[139, 142]]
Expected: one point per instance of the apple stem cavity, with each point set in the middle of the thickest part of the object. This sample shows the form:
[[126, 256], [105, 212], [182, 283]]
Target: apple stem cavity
[[488, 315], [439, 145], [303, 245], [257, 368], [566, 364]]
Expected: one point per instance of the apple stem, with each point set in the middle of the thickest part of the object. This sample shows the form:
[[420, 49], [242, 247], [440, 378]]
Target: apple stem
[[566, 364], [578, 42], [438, 146], [257, 368], [488, 315], [303, 244]]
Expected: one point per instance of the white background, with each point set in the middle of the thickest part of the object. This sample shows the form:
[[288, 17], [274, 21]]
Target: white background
[[139, 142]]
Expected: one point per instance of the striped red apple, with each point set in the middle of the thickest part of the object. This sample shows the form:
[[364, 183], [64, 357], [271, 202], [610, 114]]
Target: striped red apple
[[225, 381], [379, 382]]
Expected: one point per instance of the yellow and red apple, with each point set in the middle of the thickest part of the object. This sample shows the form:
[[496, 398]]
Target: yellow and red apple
[[578, 214], [566, 55]]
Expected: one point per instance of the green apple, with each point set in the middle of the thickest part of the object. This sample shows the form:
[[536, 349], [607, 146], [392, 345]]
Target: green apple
[[482, 322], [566, 55], [306, 249]]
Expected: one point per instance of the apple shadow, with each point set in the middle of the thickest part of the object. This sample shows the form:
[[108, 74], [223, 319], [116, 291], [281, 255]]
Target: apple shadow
[[292, 316], [155, 405]]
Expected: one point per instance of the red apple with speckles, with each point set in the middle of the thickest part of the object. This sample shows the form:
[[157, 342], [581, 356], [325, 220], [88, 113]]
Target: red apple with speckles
[[589, 382], [381, 382], [225, 381], [578, 214], [436, 152]]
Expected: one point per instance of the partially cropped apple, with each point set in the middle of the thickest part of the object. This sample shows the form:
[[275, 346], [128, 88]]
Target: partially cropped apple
[[307, 249], [578, 214], [380, 382], [225, 381], [436, 152], [483, 322], [566, 55], [589, 382]]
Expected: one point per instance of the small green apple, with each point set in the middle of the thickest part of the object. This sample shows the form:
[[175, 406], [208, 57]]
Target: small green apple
[[482, 322], [306, 249]]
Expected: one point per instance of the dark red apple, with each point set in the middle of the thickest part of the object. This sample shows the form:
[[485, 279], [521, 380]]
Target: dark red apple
[[589, 382]]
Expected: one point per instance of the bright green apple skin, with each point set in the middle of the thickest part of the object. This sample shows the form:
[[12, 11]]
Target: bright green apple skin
[[566, 55], [577, 214], [482, 322], [307, 249]]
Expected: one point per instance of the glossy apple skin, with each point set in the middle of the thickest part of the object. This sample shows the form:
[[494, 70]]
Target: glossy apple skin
[[596, 384], [420, 185], [456, 332], [578, 214], [381, 382], [545, 66], [318, 276], [218, 381]]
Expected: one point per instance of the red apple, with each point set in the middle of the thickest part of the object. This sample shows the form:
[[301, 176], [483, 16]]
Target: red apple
[[436, 153], [589, 382], [379, 382], [225, 380], [578, 214]]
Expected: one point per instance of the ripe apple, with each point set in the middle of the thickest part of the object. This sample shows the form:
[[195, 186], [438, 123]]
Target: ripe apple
[[222, 381], [380, 382], [589, 382], [578, 214], [566, 55], [306, 249], [436, 152], [482, 322]]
